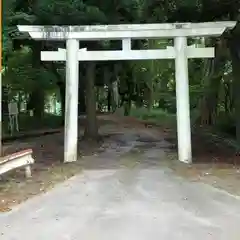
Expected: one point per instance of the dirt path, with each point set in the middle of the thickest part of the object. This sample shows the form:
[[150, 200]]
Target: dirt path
[[126, 141], [48, 169], [126, 190]]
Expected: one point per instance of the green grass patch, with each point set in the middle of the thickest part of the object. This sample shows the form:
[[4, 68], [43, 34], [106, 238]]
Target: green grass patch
[[157, 116]]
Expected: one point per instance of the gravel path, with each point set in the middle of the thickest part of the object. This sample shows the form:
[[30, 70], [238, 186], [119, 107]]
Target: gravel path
[[125, 193]]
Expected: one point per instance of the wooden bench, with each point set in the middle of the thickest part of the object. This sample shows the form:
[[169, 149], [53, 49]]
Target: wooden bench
[[16, 160]]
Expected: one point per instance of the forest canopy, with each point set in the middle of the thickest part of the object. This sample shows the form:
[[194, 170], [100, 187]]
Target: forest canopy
[[214, 83]]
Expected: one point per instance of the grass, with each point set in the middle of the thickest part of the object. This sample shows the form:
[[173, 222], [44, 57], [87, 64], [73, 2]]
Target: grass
[[157, 116]]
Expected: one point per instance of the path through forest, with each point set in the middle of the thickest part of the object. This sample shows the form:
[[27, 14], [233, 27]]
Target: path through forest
[[126, 190]]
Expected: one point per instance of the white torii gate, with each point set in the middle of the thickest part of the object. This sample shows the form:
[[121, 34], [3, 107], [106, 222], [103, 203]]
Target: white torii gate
[[180, 52]]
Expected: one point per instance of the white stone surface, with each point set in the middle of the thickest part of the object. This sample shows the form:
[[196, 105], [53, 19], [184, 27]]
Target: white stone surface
[[126, 44], [127, 54], [134, 31], [71, 112], [183, 106]]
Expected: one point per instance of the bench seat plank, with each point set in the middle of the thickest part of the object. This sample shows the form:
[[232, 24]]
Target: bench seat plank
[[19, 159]]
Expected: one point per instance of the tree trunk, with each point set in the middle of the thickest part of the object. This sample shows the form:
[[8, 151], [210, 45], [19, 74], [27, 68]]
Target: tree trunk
[[5, 101], [109, 97], [206, 77], [91, 127], [36, 99], [62, 91], [139, 102], [82, 101], [235, 56], [61, 85], [115, 97], [150, 82], [97, 99], [213, 77], [107, 81], [36, 103], [127, 106], [150, 98]]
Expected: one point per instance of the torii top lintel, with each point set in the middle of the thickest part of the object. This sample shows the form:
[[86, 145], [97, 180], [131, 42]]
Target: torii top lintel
[[133, 31]]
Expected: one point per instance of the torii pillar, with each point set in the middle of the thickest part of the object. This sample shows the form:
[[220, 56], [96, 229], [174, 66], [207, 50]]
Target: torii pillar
[[182, 96], [71, 102]]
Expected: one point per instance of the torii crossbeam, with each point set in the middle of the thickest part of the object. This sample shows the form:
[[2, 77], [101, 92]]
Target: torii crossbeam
[[180, 52]]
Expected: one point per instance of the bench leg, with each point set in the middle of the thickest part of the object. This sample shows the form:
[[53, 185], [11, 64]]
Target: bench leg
[[28, 172]]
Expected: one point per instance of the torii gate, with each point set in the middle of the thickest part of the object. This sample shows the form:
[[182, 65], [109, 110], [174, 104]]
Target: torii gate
[[180, 52]]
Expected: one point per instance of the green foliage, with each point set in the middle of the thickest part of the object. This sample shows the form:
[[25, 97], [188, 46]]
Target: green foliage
[[152, 83], [11, 17], [71, 12], [20, 74], [157, 116]]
